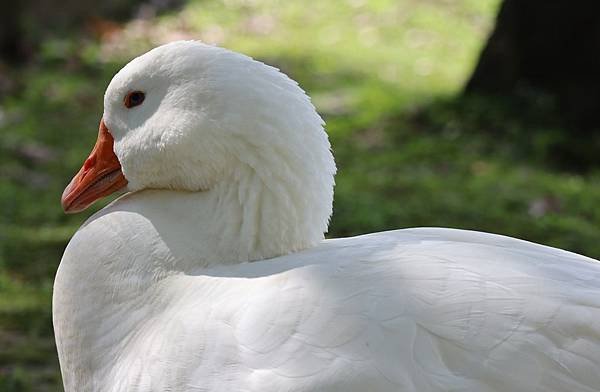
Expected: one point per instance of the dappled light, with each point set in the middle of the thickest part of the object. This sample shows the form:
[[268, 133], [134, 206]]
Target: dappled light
[[387, 77]]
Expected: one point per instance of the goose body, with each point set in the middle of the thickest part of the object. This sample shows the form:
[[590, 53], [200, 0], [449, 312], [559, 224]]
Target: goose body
[[212, 274]]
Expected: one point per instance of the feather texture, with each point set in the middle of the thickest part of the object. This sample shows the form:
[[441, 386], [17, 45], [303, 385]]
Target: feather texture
[[406, 310], [212, 274]]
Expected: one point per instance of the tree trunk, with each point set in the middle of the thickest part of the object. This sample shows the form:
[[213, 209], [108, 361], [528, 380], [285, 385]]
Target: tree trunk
[[9, 31], [552, 47]]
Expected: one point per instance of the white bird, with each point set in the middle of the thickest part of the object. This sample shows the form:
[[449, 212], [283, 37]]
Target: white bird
[[212, 274]]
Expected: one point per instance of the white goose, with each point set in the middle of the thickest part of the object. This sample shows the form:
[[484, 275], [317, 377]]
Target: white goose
[[212, 273]]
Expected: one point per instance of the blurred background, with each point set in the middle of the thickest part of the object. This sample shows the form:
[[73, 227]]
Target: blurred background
[[476, 114]]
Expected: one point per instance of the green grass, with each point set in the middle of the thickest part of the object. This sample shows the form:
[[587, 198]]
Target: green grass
[[384, 74]]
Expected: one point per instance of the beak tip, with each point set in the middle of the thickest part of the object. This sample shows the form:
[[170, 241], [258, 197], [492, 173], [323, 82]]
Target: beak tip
[[65, 207], [64, 198]]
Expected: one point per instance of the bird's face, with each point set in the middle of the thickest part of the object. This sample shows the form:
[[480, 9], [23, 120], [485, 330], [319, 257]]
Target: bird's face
[[187, 116], [156, 131]]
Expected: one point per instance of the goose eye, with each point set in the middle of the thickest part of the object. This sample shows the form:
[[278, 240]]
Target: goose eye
[[134, 98]]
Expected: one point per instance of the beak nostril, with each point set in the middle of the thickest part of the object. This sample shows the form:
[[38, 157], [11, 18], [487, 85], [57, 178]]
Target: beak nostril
[[90, 162]]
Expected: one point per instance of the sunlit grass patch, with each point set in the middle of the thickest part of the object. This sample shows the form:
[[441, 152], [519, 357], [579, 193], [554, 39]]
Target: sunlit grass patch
[[385, 75]]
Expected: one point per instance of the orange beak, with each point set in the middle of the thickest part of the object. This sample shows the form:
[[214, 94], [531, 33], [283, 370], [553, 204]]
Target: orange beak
[[100, 175]]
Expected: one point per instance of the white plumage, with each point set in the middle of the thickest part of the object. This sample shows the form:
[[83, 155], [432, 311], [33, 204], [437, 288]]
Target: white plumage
[[212, 275]]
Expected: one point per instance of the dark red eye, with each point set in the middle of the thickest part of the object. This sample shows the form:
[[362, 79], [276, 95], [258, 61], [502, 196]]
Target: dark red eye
[[134, 98]]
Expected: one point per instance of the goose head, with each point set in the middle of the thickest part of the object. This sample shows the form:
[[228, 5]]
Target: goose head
[[193, 117]]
